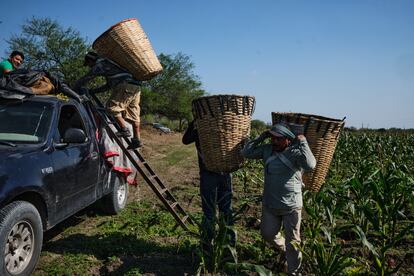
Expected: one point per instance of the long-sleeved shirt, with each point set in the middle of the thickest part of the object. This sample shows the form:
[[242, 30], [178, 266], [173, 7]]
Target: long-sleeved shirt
[[283, 175], [113, 73], [191, 136]]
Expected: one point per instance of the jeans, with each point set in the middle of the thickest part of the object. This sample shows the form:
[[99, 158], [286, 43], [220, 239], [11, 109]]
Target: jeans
[[215, 189]]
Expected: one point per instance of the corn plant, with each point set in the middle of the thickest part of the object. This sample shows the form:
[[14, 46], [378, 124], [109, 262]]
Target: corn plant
[[321, 248], [214, 254], [327, 258], [374, 197], [250, 176]]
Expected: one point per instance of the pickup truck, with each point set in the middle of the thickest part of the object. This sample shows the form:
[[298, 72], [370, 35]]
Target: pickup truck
[[51, 166]]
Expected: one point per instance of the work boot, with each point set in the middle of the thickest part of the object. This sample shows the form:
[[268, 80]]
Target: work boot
[[135, 143], [124, 132]]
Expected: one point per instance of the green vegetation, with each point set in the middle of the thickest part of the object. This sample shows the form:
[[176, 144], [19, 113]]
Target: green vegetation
[[170, 93], [362, 219], [360, 223]]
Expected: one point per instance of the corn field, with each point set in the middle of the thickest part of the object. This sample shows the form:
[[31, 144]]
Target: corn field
[[361, 222]]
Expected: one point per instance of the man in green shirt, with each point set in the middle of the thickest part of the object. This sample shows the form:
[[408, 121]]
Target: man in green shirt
[[12, 63]]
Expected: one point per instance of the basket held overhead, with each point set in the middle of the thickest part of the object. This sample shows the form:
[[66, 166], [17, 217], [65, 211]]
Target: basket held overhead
[[127, 44], [322, 134], [223, 124]]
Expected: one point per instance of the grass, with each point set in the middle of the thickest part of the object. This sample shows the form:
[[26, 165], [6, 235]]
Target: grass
[[119, 244], [145, 239]]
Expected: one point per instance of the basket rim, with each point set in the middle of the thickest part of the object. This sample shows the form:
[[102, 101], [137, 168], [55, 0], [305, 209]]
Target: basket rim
[[221, 95], [112, 27], [318, 117]]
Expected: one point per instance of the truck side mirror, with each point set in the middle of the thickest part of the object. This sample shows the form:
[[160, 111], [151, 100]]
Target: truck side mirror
[[74, 135]]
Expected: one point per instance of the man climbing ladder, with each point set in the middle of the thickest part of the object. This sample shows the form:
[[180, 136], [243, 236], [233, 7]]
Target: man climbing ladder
[[126, 92]]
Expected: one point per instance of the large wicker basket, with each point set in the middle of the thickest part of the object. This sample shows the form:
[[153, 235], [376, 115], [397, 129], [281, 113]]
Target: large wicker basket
[[223, 124], [322, 134], [127, 44]]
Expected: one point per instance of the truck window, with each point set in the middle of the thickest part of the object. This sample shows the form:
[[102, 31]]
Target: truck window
[[24, 122], [70, 118]]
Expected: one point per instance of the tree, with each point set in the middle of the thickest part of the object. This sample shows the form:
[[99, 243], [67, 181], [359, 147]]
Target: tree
[[48, 46], [258, 126], [170, 94]]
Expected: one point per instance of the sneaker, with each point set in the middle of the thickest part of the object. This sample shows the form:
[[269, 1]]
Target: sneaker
[[124, 132], [135, 143]]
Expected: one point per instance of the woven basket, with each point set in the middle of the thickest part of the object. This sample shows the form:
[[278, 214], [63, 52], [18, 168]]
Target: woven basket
[[223, 124], [322, 134], [127, 44]]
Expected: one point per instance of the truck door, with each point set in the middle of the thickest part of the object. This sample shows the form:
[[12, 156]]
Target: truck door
[[76, 165]]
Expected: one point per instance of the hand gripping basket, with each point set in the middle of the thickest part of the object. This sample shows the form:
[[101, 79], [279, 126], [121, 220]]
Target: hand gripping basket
[[127, 44], [223, 124], [322, 134]]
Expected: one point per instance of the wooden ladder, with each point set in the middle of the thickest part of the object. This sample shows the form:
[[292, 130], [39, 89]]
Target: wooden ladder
[[142, 166]]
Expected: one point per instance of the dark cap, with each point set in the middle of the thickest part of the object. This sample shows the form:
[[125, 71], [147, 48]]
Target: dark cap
[[90, 56], [279, 130]]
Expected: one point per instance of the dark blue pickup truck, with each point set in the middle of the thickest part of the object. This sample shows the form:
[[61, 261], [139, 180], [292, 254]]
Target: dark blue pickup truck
[[51, 166]]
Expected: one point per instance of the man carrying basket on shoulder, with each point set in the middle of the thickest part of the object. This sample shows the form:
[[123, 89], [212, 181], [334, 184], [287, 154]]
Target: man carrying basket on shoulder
[[215, 190], [284, 161], [126, 92]]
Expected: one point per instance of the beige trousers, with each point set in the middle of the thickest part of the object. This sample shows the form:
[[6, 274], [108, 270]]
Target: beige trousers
[[124, 101], [272, 220]]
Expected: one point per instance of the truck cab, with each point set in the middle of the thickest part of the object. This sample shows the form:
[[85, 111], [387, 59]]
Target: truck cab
[[51, 166]]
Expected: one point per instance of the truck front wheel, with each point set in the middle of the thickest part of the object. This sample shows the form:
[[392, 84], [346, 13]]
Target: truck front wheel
[[21, 237]]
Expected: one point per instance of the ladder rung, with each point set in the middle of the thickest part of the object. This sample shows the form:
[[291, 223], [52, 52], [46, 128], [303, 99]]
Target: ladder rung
[[174, 205], [163, 190], [184, 219]]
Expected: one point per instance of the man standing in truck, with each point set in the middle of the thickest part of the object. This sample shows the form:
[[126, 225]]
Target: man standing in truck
[[12, 63]]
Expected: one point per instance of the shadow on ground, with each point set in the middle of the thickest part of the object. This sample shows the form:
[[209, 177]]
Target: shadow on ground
[[121, 253]]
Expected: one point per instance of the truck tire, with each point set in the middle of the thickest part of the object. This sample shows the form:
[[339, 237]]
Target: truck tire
[[21, 237], [116, 200]]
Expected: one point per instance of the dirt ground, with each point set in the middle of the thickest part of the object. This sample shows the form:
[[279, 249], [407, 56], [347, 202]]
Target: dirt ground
[[175, 164]]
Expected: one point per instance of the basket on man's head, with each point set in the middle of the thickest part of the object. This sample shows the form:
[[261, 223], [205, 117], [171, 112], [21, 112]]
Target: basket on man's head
[[223, 124], [127, 44], [321, 133]]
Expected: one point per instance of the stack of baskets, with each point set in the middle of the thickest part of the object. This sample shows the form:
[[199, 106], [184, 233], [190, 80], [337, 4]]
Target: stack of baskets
[[322, 134], [223, 124], [127, 44]]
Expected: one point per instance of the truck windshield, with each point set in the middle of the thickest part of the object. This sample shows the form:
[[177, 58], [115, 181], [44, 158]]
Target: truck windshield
[[24, 122]]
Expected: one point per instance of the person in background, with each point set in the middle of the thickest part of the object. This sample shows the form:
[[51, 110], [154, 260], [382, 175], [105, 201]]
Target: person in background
[[124, 101], [14, 61], [215, 189], [285, 159]]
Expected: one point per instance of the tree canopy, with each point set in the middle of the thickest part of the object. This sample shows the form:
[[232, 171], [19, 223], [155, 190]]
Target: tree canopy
[[171, 92], [48, 46]]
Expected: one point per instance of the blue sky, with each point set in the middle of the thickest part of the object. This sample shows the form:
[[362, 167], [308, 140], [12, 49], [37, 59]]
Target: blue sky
[[329, 58]]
